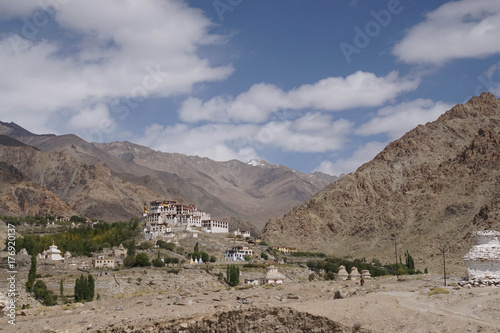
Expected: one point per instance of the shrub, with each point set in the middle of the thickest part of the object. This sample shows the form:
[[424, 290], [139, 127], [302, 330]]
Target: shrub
[[145, 246], [43, 294], [164, 245], [213, 259], [157, 262], [129, 261], [436, 291], [264, 256], [142, 260]]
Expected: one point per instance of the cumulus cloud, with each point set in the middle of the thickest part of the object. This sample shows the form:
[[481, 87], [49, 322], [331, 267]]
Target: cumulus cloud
[[91, 118], [458, 29], [310, 133], [361, 89], [362, 155], [396, 120], [212, 140], [120, 49]]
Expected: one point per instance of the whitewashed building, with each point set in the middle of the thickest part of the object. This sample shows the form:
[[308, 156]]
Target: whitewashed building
[[483, 259], [238, 253], [214, 226], [101, 261], [162, 218], [272, 276]]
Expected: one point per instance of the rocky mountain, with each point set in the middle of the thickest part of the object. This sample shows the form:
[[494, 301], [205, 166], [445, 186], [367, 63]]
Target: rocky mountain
[[432, 188], [251, 192]]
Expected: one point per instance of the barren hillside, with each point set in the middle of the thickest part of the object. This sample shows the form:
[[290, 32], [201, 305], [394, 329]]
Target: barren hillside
[[432, 188]]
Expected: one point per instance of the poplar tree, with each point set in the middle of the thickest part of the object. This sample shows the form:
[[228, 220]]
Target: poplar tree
[[90, 288], [31, 273]]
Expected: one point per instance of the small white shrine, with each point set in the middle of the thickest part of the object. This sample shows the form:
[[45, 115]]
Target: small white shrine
[[53, 253], [483, 259]]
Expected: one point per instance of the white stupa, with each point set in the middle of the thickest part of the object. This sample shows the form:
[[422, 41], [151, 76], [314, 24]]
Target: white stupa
[[53, 253], [483, 259]]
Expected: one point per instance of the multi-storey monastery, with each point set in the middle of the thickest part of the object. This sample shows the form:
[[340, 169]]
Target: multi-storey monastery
[[162, 218]]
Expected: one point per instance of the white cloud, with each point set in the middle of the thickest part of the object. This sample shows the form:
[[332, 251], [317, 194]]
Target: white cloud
[[360, 89], [398, 119], [211, 141], [123, 49], [311, 133], [344, 166], [93, 118], [458, 29]]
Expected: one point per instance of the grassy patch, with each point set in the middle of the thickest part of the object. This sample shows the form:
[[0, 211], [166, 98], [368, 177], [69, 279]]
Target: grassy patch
[[435, 291], [71, 306]]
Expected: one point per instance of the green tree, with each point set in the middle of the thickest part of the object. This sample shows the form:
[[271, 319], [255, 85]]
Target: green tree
[[31, 273], [145, 246], [142, 260], [165, 245], [130, 245], [43, 294], [213, 258], [204, 256], [89, 297], [61, 288], [410, 264], [196, 248], [264, 256], [157, 262], [129, 261], [233, 275], [81, 289]]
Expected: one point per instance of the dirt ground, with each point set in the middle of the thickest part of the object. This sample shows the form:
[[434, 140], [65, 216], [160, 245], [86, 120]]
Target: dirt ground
[[381, 305]]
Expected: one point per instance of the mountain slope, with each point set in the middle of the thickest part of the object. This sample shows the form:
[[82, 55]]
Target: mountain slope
[[433, 187], [253, 192], [20, 197], [90, 190]]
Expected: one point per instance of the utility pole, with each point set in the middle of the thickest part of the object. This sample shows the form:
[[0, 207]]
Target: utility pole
[[444, 265], [396, 252]]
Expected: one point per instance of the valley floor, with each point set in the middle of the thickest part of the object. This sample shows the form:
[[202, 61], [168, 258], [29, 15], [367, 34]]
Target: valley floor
[[381, 305]]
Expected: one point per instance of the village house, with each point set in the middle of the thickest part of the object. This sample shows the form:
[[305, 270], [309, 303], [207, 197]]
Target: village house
[[483, 259], [101, 261], [238, 253], [244, 233], [272, 276], [284, 249], [214, 226], [110, 257]]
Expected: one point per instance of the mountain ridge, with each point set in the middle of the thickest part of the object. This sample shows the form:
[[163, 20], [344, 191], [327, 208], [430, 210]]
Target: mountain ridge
[[420, 188], [231, 189]]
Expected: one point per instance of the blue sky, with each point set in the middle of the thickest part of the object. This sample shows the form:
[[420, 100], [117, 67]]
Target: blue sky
[[314, 85]]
